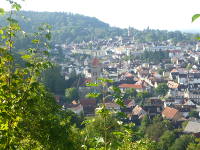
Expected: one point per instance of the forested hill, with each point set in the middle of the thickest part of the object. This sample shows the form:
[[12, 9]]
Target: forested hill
[[68, 27]]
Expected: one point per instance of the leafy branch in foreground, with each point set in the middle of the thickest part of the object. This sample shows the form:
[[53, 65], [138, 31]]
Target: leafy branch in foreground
[[105, 131], [29, 115]]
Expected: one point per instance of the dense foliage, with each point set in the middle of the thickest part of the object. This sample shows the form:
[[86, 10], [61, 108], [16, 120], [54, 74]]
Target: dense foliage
[[154, 57], [30, 118]]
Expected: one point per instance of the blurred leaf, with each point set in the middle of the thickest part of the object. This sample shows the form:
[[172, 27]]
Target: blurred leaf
[[197, 38], [93, 95], [121, 115], [11, 20], [48, 36], [99, 140], [87, 121], [35, 41], [46, 52], [116, 90], [194, 17], [118, 133], [106, 80], [26, 57], [92, 84], [103, 111], [2, 12], [16, 6], [120, 102], [1, 31]]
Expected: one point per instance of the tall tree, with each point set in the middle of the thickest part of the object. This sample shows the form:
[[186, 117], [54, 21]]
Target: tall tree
[[29, 115], [71, 94], [166, 140], [162, 89]]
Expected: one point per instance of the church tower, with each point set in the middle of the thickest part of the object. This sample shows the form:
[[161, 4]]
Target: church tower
[[96, 69]]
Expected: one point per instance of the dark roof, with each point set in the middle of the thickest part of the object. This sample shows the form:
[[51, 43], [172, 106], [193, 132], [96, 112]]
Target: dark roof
[[182, 75], [88, 102]]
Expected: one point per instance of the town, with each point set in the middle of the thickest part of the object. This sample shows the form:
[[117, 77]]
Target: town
[[155, 78], [99, 75]]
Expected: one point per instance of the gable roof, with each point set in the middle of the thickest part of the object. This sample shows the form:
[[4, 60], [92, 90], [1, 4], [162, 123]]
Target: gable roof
[[169, 112], [174, 70], [138, 111], [135, 86], [192, 127]]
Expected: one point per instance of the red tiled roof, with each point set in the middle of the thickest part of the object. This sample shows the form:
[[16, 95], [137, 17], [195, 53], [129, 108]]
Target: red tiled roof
[[135, 86], [174, 70], [169, 112], [95, 62]]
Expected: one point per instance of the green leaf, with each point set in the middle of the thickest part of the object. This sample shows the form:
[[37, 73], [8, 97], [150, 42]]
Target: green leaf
[[105, 80], [197, 38], [196, 16], [11, 20], [2, 12], [118, 133], [3, 37], [35, 41], [119, 102], [16, 6], [92, 84], [1, 31], [26, 57], [116, 90], [121, 115], [99, 140], [46, 52], [93, 95], [88, 121], [48, 36]]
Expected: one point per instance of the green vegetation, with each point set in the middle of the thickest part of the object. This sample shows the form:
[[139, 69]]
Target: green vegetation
[[54, 81], [194, 114], [68, 27], [29, 115], [30, 118], [71, 94], [155, 57], [162, 89]]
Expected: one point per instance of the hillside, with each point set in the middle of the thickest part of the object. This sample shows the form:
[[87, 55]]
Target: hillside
[[68, 27]]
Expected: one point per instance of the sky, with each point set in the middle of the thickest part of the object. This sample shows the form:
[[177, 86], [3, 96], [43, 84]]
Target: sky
[[140, 14]]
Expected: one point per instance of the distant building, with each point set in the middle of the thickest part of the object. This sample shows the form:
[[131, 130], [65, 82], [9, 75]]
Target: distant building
[[193, 127], [139, 111], [171, 114]]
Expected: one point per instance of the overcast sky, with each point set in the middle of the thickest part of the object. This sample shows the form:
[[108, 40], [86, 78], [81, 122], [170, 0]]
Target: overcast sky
[[157, 14]]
